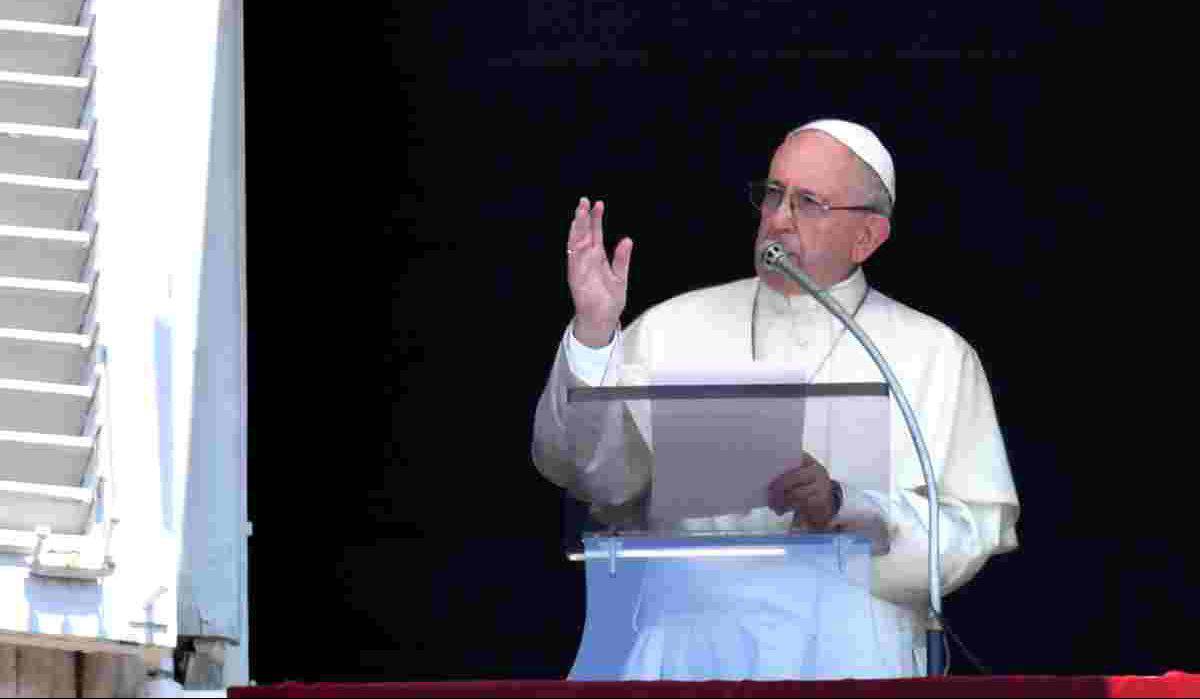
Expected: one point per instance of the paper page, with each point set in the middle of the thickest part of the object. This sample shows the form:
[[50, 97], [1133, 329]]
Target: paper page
[[717, 456]]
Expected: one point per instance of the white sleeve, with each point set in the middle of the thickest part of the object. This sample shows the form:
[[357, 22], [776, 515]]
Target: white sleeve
[[591, 449], [587, 363], [899, 534]]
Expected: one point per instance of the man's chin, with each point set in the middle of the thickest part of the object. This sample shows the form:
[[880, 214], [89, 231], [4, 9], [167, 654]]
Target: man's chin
[[779, 283]]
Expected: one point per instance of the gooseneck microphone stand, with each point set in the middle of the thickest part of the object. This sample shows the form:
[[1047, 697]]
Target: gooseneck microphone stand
[[775, 258]]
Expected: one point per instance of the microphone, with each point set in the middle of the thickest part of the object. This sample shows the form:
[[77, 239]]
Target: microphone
[[776, 258]]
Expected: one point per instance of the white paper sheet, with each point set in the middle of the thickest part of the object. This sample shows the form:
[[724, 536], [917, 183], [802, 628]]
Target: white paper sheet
[[717, 456]]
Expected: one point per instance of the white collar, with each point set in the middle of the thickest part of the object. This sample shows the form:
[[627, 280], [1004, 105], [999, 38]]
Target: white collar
[[849, 292]]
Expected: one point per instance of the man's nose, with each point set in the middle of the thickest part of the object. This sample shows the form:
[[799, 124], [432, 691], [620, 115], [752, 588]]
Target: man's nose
[[779, 219]]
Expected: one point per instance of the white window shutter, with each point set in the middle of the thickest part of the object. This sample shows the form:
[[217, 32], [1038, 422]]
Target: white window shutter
[[49, 384]]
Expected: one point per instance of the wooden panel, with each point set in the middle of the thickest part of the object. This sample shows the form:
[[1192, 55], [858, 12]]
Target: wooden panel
[[30, 671], [108, 675], [8, 670], [46, 672], [99, 675], [132, 675]]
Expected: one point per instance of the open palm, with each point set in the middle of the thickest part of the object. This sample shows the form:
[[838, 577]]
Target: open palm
[[598, 288]]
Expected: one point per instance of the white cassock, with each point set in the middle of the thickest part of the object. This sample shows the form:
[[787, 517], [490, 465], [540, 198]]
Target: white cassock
[[608, 463]]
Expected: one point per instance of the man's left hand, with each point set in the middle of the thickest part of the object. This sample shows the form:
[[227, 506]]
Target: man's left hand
[[807, 491]]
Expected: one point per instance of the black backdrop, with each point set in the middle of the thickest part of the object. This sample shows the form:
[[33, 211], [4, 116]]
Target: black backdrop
[[442, 559]]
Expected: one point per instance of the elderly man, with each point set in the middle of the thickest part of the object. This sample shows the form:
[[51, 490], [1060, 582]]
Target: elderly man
[[828, 200]]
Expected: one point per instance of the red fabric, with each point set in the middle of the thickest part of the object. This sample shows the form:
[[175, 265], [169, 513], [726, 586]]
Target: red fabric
[[1173, 684]]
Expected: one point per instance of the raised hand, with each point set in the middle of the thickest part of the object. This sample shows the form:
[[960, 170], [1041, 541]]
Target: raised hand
[[597, 287]]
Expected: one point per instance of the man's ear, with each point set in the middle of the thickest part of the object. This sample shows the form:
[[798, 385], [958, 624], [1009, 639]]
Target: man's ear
[[874, 232]]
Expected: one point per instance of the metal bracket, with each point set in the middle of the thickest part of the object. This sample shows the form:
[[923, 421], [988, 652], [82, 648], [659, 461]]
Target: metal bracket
[[614, 547], [36, 567]]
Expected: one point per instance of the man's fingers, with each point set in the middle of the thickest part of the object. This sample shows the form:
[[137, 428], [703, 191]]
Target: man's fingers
[[774, 501], [776, 496], [621, 257], [795, 499], [811, 495], [597, 224], [581, 231], [784, 499], [795, 477], [791, 487], [800, 502]]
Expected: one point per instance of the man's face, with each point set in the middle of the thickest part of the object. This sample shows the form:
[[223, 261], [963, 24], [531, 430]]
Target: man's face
[[829, 245]]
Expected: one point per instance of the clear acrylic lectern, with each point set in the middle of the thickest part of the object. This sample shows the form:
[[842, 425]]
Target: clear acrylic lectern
[[689, 574]]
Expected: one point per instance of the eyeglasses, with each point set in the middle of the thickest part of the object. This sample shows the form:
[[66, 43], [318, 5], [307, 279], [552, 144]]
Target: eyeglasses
[[766, 196]]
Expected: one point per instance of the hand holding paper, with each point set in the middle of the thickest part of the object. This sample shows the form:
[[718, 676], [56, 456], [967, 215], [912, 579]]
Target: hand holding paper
[[807, 491]]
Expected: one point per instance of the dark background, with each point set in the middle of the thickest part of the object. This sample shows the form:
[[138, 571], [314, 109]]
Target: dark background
[[443, 559]]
